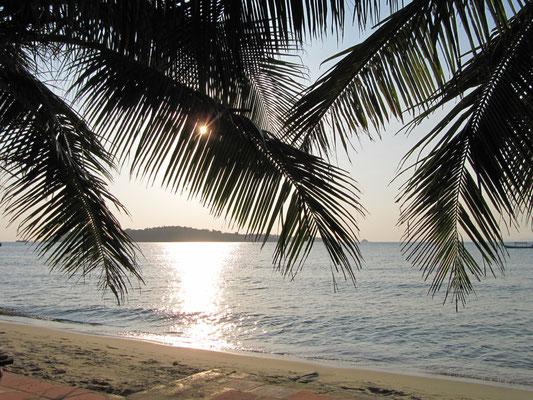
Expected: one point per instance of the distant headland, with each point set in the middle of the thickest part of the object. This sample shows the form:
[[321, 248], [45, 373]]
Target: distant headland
[[186, 234]]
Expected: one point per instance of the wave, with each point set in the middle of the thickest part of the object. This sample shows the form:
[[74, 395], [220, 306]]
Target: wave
[[16, 313]]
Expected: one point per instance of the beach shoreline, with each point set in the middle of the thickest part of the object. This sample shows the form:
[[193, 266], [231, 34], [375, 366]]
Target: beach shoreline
[[124, 366]]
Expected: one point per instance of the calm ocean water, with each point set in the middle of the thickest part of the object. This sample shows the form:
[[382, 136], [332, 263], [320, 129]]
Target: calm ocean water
[[225, 296]]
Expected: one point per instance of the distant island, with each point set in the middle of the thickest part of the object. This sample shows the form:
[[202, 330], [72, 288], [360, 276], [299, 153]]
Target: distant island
[[186, 234]]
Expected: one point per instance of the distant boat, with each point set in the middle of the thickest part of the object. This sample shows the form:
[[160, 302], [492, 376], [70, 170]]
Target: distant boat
[[519, 245], [22, 241]]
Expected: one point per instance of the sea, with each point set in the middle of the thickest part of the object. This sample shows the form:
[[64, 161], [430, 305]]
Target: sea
[[228, 297]]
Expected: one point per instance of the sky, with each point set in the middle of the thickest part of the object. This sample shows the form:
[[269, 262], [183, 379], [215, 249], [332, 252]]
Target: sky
[[373, 165]]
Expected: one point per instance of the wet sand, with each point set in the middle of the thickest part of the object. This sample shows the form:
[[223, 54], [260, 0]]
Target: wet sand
[[124, 367]]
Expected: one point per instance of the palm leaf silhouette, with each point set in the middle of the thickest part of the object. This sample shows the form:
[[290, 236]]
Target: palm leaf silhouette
[[474, 165], [142, 77]]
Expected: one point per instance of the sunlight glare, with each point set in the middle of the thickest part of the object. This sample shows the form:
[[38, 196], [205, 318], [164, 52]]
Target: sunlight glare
[[203, 130], [195, 292]]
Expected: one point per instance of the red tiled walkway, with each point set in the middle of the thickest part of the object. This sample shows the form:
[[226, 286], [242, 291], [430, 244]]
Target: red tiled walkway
[[19, 387]]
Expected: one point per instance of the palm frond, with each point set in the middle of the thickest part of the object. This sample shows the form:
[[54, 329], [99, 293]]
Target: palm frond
[[54, 171], [480, 167], [145, 74], [289, 19], [240, 170], [397, 68]]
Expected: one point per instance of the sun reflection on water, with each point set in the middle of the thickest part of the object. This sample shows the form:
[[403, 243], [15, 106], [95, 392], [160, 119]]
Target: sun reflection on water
[[195, 295]]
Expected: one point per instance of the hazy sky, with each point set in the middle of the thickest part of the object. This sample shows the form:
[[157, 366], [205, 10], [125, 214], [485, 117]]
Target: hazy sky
[[373, 166]]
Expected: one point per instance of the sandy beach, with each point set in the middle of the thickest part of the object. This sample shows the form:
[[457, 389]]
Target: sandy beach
[[124, 367]]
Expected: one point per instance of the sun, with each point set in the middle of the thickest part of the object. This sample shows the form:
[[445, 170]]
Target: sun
[[203, 130]]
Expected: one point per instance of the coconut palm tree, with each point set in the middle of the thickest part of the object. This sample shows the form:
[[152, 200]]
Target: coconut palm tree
[[471, 174], [194, 94]]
